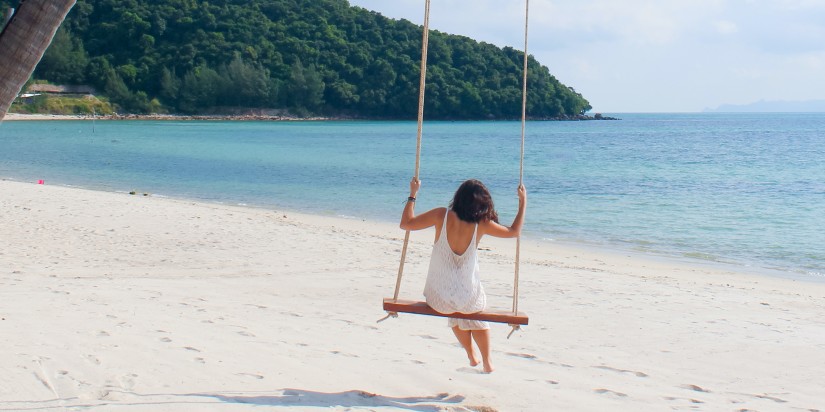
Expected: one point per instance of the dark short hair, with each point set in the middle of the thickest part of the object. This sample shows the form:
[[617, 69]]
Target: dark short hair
[[473, 203]]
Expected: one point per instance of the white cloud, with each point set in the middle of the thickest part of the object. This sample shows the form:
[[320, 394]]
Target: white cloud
[[726, 27]]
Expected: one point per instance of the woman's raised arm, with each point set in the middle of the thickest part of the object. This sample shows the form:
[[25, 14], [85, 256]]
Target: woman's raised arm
[[409, 221], [497, 230]]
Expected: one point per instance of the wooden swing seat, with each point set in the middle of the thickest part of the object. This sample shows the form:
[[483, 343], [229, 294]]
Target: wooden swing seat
[[421, 308]]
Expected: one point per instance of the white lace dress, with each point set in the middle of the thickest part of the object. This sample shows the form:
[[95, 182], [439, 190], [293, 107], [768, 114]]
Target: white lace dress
[[453, 283]]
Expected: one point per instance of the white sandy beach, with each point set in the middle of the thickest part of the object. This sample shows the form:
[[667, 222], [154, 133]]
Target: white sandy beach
[[273, 116], [41, 117], [116, 302]]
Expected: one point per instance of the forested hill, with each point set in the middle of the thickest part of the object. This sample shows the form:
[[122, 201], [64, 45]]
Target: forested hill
[[305, 56]]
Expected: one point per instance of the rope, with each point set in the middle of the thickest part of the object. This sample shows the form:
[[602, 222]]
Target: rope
[[422, 84], [515, 328], [389, 315], [521, 161]]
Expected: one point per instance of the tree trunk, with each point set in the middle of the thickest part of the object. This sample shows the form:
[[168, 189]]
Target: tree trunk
[[23, 42]]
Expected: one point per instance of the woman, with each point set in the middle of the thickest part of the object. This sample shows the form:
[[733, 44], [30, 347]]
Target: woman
[[453, 283]]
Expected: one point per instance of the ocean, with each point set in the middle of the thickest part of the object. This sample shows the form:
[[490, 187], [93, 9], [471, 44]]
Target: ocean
[[728, 188]]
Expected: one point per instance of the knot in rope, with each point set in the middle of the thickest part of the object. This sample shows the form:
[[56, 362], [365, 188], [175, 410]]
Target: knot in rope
[[515, 328], [389, 315]]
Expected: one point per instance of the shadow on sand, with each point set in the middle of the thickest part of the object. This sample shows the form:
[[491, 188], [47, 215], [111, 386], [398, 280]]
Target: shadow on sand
[[353, 398], [289, 398]]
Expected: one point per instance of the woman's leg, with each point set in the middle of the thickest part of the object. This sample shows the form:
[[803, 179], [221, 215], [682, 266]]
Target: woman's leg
[[482, 338], [466, 341]]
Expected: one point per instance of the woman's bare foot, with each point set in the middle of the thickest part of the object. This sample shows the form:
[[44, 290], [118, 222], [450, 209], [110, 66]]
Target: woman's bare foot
[[473, 359], [482, 339]]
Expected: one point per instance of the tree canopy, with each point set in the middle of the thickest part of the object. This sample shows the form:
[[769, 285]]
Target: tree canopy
[[305, 56]]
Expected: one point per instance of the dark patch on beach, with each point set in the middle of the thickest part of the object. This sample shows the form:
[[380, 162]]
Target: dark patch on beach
[[482, 409], [251, 375]]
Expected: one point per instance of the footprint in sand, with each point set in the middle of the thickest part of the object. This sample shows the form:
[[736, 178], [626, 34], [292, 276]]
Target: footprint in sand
[[97, 394], [523, 355], [609, 392], [694, 401], [609, 368], [93, 359], [337, 352], [245, 333], [167, 340], [191, 348], [695, 388], [770, 398], [127, 382]]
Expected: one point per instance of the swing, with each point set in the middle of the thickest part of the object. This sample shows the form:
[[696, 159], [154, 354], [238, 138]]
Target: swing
[[394, 305]]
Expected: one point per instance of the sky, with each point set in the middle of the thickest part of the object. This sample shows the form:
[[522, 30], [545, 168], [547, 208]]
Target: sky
[[629, 56]]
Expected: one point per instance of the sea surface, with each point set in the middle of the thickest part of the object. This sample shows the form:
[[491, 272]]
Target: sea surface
[[730, 188]]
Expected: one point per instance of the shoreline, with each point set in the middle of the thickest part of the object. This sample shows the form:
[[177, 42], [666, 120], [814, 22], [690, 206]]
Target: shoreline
[[169, 117], [719, 264], [534, 243], [253, 117], [105, 293]]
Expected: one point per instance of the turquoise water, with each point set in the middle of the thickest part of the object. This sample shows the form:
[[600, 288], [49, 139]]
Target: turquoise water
[[746, 189]]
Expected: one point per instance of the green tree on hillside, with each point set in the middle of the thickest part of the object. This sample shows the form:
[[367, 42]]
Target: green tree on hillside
[[305, 56]]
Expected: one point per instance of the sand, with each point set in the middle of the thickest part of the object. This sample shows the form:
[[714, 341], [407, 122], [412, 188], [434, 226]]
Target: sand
[[41, 117], [275, 116], [111, 301]]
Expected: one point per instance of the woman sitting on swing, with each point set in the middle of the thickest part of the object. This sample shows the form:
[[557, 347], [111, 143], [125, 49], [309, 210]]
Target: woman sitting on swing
[[453, 283]]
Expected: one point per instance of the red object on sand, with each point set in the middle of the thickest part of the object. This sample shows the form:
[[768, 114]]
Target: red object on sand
[[40, 182]]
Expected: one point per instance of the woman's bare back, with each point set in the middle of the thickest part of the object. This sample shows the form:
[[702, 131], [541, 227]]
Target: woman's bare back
[[459, 233]]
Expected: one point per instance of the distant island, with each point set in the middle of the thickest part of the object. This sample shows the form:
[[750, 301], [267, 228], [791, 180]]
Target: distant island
[[304, 58], [773, 107]]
